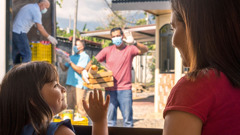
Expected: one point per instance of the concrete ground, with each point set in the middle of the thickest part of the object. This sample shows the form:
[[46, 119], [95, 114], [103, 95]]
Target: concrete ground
[[143, 112]]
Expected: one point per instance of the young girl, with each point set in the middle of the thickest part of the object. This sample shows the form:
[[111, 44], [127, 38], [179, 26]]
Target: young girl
[[30, 95]]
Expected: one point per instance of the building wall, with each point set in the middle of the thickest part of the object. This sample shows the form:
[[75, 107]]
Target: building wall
[[158, 99], [166, 83]]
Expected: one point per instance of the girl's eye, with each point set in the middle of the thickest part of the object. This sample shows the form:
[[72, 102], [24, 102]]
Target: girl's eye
[[56, 85]]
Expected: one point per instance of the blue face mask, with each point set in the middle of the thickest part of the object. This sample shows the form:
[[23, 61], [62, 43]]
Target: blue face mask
[[117, 41], [44, 11], [75, 49]]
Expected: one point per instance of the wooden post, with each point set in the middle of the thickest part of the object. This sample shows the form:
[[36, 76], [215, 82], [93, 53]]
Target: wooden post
[[75, 26]]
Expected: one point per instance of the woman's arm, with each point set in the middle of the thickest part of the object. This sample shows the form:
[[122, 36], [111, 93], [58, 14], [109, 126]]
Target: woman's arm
[[182, 123]]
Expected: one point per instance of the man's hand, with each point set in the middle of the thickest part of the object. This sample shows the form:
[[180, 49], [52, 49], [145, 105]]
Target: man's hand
[[85, 76], [52, 40], [128, 37], [59, 59], [67, 59]]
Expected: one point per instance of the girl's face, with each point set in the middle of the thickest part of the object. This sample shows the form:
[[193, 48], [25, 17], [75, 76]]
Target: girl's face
[[179, 39], [53, 94]]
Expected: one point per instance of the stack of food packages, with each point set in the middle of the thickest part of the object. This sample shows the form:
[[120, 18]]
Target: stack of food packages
[[99, 79], [76, 118], [61, 53]]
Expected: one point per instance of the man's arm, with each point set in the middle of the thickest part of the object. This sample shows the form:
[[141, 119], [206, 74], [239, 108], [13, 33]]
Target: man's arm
[[42, 30], [142, 48], [89, 65], [63, 67], [128, 38], [76, 68], [45, 34]]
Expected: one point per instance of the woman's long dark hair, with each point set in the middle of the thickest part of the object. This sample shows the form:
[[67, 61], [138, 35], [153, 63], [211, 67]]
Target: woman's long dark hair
[[20, 99], [213, 33]]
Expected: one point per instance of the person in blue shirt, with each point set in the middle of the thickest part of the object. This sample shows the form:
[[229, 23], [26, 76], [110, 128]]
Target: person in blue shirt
[[26, 17], [30, 95], [75, 65]]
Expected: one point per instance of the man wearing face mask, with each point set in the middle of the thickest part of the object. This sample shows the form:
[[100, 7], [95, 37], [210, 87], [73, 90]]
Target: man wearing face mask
[[27, 16], [118, 58], [76, 65]]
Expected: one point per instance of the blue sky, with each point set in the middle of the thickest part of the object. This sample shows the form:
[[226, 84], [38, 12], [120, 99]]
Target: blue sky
[[92, 12]]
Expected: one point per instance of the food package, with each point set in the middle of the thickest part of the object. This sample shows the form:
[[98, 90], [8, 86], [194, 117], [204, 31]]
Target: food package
[[99, 78]]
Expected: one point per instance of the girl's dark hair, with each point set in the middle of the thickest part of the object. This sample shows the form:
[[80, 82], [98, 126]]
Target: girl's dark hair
[[213, 34], [20, 98]]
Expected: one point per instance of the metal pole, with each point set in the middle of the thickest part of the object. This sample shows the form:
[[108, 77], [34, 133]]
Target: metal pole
[[53, 7], [146, 65], [75, 26]]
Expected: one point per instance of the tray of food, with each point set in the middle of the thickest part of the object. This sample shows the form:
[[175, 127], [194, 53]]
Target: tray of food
[[99, 78]]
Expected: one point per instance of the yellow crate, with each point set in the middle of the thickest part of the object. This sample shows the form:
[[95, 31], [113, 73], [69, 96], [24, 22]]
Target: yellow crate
[[41, 52], [83, 121]]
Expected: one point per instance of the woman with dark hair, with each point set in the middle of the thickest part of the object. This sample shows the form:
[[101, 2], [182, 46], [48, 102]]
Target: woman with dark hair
[[30, 94], [206, 100]]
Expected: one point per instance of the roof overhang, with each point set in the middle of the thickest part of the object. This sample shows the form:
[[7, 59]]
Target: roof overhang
[[145, 33], [153, 7]]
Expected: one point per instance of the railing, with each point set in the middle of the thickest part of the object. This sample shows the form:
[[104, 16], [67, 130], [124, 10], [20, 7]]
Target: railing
[[87, 130], [129, 1]]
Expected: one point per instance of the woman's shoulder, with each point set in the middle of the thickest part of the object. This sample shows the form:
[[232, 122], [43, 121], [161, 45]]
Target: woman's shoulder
[[204, 77]]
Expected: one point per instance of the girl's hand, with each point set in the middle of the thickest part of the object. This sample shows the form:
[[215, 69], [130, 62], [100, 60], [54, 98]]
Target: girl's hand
[[97, 109]]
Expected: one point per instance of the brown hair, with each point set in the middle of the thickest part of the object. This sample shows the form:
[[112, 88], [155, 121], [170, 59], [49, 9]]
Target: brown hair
[[213, 33], [82, 41], [20, 99]]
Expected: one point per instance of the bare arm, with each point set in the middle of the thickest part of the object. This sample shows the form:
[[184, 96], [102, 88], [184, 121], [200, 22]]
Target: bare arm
[[42, 30], [142, 48], [63, 130], [97, 111], [76, 68], [63, 67], [89, 65], [181, 123]]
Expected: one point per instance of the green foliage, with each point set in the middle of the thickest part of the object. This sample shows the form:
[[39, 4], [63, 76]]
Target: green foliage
[[116, 20], [59, 3], [95, 62], [99, 28], [151, 47], [141, 21]]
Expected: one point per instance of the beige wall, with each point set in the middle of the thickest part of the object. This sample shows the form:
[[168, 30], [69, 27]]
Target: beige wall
[[164, 82], [160, 21]]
